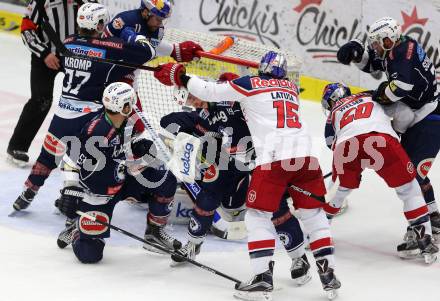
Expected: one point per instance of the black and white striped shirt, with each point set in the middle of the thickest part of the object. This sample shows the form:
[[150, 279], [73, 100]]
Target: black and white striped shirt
[[61, 14]]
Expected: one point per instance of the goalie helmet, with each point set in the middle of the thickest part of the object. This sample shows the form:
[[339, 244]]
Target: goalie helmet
[[384, 28], [90, 15], [334, 92], [160, 8], [273, 64], [118, 95]]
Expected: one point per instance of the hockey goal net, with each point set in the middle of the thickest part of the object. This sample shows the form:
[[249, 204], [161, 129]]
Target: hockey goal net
[[157, 99]]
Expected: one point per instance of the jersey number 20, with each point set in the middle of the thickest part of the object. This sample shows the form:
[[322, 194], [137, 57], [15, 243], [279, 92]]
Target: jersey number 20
[[287, 114], [361, 111]]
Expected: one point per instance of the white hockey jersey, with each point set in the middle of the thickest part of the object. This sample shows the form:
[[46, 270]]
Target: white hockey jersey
[[271, 109], [359, 114]]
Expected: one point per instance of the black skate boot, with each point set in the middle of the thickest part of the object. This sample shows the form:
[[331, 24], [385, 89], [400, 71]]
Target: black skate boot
[[300, 270], [19, 158], [190, 250], [424, 241], [258, 288], [67, 236], [435, 225], [157, 236], [409, 249], [24, 200], [330, 283]]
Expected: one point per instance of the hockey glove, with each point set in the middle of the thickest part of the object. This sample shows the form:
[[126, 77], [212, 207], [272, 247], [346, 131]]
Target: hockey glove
[[186, 51], [128, 35], [170, 74], [69, 201], [379, 95], [350, 51], [142, 147]]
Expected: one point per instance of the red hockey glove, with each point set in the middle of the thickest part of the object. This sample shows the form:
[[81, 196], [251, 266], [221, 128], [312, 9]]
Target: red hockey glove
[[170, 74], [186, 51], [227, 77]]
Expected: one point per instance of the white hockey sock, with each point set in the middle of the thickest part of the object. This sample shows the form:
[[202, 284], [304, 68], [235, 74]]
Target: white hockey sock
[[414, 206], [261, 239], [316, 225]]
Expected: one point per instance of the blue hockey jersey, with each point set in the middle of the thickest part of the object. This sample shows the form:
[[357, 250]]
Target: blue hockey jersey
[[410, 72], [86, 79]]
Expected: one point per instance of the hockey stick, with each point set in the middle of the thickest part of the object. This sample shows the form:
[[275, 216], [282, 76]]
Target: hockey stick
[[327, 175], [122, 231]]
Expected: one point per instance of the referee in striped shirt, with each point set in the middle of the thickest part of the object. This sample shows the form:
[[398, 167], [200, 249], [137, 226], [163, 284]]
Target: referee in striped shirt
[[45, 64]]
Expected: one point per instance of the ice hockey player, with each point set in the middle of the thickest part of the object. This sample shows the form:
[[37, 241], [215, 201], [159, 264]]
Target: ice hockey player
[[225, 121], [147, 22], [82, 90], [411, 79], [95, 188], [283, 156], [363, 133]]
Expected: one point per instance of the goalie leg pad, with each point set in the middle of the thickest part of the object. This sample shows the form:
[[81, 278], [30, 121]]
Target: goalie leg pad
[[316, 225], [89, 250]]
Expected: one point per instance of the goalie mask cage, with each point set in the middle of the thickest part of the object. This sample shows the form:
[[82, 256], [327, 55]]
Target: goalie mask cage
[[157, 99]]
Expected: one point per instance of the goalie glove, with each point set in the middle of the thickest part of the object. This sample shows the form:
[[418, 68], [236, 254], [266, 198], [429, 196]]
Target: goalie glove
[[186, 51], [170, 74], [69, 201], [351, 51]]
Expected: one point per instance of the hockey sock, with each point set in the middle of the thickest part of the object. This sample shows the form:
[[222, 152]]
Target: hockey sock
[[261, 239], [199, 224], [428, 195], [290, 234], [159, 210], [316, 225], [414, 206]]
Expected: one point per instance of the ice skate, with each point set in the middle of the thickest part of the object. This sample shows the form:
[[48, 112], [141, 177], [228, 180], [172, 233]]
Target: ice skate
[[157, 236], [427, 249], [17, 157], [409, 249], [300, 270], [258, 288], [24, 200], [67, 236], [435, 225], [190, 250], [330, 283]]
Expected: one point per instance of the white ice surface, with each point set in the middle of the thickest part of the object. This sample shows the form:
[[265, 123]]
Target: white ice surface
[[33, 268]]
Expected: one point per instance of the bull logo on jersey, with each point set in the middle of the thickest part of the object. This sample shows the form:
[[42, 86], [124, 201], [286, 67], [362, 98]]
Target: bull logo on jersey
[[90, 227], [410, 167], [120, 172], [252, 196], [424, 166]]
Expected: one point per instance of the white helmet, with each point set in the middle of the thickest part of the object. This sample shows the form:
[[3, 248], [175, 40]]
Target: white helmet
[[117, 95], [383, 28], [90, 15]]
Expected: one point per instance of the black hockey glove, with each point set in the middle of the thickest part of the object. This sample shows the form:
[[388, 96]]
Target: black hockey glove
[[350, 51], [142, 147], [379, 94], [69, 201]]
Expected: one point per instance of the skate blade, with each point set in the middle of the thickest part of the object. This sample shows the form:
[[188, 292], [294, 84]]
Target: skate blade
[[175, 264], [406, 255], [17, 163], [18, 213], [332, 294], [152, 249], [253, 296], [430, 258], [300, 281]]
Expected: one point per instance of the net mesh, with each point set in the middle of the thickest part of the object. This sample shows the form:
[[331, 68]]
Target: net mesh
[[157, 99]]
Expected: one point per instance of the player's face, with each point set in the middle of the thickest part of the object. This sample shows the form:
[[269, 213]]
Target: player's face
[[378, 48], [154, 22]]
